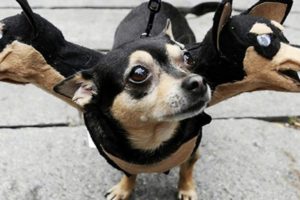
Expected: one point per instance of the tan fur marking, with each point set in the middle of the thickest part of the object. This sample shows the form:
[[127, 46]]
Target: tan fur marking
[[168, 29], [270, 10], [23, 64], [260, 28], [175, 55], [177, 158], [152, 136], [142, 58], [144, 133], [186, 185], [174, 51], [1, 27], [263, 74], [142, 118], [123, 189], [278, 25]]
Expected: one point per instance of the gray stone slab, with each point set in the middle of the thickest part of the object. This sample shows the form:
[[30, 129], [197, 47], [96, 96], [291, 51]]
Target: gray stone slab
[[241, 159], [93, 3], [249, 159], [28, 105], [258, 104], [122, 3]]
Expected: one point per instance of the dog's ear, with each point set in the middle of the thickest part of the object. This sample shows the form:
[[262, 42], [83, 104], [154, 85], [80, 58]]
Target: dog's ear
[[79, 87], [276, 10], [221, 17], [168, 29], [29, 15]]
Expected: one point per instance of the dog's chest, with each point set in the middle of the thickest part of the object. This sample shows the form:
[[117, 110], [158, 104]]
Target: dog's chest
[[177, 158]]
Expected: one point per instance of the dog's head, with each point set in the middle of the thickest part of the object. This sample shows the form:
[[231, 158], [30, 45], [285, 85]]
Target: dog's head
[[254, 53], [28, 41], [144, 85]]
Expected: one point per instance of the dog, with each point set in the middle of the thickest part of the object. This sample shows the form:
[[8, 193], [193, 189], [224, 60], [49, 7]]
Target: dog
[[34, 51], [251, 52], [233, 52], [142, 107], [231, 56]]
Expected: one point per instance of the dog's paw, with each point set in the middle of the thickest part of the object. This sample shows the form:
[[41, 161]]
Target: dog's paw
[[118, 193], [187, 195]]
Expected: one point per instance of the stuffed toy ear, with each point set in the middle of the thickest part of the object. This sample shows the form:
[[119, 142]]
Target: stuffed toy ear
[[78, 87], [168, 29], [221, 17], [29, 15], [276, 10]]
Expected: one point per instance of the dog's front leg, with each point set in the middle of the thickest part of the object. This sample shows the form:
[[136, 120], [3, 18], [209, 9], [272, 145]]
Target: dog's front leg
[[186, 185], [123, 189]]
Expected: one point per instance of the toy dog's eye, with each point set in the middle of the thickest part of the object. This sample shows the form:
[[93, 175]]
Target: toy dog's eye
[[188, 59], [264, 40], [138, 74]]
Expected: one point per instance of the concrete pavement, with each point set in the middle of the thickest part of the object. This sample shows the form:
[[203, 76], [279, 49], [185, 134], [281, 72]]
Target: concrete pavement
[[241, 159]]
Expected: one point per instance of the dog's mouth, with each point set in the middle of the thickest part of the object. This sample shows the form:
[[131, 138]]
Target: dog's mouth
[[14, 82], [291, 75], [193, 109]]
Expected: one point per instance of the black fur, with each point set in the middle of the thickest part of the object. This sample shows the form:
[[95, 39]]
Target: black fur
[[32, 29], [105, 131], [108, 134], [133, 25], [200, 9]]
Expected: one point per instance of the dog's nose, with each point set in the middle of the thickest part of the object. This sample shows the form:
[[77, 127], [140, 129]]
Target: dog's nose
[[194, 84]]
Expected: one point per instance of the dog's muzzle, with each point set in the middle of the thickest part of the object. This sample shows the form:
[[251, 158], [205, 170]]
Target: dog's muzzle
[[196, 86]]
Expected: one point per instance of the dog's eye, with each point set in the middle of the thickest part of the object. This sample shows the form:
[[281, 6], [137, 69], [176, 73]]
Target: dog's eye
[[264, 40], [188, 59], [138, 74]]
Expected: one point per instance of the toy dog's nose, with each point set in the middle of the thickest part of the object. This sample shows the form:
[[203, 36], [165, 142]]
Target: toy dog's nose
[[195, 84]]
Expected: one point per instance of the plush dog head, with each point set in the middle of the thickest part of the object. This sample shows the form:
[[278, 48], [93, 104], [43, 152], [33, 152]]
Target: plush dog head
[[144, 86], [28, 41], [32, 50], [250, 51]]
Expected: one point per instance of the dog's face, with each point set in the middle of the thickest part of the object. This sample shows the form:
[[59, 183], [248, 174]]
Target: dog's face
[[144, 85], [268, 59], [157, 86], [254, 42]]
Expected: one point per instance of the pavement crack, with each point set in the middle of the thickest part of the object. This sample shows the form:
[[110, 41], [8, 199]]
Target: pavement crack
[[35, 126], [288, 121]]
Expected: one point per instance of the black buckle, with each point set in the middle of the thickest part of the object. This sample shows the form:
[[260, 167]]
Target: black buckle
[[154, 7]]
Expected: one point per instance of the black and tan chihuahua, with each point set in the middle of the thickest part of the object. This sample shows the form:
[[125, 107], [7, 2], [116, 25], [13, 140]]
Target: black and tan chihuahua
[[143, 107]]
